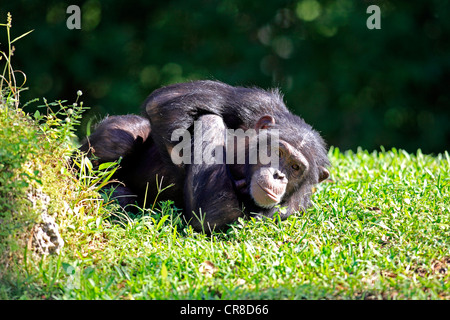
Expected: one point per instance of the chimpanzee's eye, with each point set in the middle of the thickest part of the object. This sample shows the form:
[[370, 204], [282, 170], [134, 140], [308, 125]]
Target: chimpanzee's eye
[[296, 167]]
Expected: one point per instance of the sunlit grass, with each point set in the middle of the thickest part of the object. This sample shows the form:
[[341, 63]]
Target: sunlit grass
[[378, 229]]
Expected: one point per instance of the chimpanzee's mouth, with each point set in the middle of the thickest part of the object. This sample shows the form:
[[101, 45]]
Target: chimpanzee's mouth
[[270, 194]]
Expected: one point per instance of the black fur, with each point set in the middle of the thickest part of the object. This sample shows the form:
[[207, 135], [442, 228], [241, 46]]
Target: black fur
[[128, 137]]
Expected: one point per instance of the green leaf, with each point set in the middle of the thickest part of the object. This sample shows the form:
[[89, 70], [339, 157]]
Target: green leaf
[[106, 165], [163, 271], [21, 36], [160, 223]]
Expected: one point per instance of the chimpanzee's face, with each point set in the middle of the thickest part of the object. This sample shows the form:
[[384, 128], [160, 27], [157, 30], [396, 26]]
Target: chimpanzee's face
[[272, 183], [269, 184]]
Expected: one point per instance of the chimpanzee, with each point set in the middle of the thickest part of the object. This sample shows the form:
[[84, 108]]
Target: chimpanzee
[[215, 194]]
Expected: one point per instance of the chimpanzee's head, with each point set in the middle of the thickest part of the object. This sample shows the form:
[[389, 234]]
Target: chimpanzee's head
[[301, 161]]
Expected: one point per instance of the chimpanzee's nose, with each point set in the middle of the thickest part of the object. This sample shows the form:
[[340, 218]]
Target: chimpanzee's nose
[[279, 175]]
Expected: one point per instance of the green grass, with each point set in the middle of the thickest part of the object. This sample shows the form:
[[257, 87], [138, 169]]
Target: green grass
[[379, 229]]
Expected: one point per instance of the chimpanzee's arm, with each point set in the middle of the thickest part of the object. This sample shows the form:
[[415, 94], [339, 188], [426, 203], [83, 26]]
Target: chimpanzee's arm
[[177, 107], [210, 199]]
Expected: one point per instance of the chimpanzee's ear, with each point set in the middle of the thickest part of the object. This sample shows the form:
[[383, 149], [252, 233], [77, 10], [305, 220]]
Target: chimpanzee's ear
[[323, 173], [264, 122]]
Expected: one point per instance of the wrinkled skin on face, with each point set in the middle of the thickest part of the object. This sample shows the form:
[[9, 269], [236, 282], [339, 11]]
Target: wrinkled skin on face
[[269, 185]]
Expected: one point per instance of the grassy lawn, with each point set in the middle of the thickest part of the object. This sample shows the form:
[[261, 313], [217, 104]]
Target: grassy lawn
[[379, 228]]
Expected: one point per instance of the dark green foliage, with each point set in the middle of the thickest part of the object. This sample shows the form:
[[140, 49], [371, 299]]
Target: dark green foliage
[[359, 87]]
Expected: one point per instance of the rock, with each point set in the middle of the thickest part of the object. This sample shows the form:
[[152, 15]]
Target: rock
[[46, 237]]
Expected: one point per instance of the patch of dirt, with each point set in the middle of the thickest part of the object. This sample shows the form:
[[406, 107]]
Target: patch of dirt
[[440, 267]]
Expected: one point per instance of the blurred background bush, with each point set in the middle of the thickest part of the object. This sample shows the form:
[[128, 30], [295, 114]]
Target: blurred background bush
[[358, 87]]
